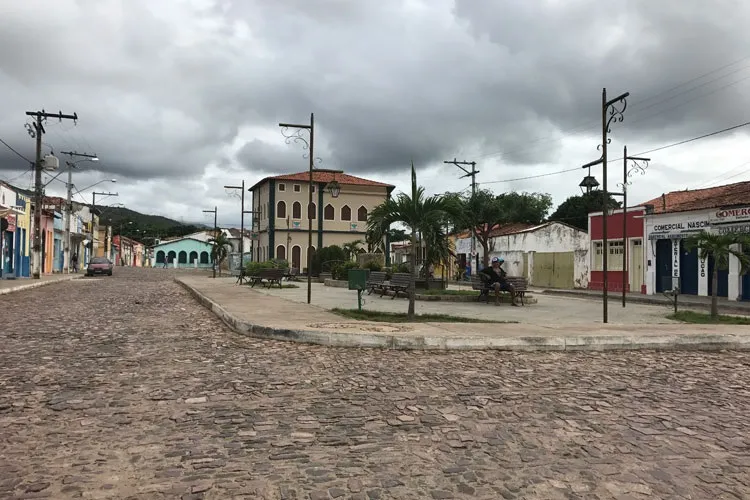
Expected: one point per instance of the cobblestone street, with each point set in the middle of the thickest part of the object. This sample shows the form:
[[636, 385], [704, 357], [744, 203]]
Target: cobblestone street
[[125, 387]]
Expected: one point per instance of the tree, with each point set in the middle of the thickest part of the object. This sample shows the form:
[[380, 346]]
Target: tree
[[576, 209], [719, 247], [219, 250], [396, 234], [478, 213], [530, 208], [352, 248], [420, 214]]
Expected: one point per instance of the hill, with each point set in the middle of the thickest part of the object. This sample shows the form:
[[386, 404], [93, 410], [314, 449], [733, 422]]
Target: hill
[[143, 226]]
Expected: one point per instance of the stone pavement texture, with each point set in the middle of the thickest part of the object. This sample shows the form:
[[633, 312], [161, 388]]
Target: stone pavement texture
[[283, 314], [16, 285], [153, 397]]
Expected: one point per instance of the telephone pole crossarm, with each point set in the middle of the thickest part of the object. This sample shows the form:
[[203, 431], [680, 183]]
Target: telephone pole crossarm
[[474, 258]]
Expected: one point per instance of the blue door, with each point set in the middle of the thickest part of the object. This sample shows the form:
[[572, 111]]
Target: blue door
[[723, 279], [663, 265], [688, 270], [746, 278]]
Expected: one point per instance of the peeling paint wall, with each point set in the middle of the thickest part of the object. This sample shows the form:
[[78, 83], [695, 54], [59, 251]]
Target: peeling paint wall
[[519, 248]]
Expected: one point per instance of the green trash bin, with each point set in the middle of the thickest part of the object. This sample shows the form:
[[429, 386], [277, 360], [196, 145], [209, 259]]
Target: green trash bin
[[358, 281]]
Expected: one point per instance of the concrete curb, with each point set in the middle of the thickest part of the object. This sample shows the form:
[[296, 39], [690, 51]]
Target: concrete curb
[[683, 301], [708, 342], [36, 284]]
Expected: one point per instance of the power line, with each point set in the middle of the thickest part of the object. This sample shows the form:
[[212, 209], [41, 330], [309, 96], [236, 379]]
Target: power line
[[16, 152], [616, 159]]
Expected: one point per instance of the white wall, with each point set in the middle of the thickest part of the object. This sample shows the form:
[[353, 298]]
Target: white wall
[[552, 237]]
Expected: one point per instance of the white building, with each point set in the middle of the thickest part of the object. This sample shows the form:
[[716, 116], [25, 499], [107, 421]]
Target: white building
[[550, 255]]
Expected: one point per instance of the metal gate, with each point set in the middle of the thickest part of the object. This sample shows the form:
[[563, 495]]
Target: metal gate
[[553, 270]]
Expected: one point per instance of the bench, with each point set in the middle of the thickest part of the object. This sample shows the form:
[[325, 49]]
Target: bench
[[376, 281], [268, 277], [520, 285], [400, 282]]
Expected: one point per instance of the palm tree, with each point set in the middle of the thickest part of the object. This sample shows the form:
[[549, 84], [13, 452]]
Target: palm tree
[[426, 215], [352, 248], [719, 247], [219, 250]]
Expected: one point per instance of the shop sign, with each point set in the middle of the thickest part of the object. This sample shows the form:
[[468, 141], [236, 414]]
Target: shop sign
[[730, 215], [676, 230], [703, 268], [675, 258], [11, 218], [733, 228]]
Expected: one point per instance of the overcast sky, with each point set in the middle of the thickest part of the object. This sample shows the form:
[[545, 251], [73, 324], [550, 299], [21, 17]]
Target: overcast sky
[[180, 97]]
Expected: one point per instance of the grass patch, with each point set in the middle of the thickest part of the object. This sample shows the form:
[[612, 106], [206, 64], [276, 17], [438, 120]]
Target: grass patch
[[391, 317], [466, 293], [705, 319]]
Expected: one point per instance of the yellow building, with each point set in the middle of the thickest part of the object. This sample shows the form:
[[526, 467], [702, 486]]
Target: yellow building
[[281, 219]]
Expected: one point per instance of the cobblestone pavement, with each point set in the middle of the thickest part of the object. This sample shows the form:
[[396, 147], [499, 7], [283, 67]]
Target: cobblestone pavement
[[123, 387]]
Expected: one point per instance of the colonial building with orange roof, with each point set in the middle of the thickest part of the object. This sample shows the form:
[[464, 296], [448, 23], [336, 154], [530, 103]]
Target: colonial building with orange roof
[[338, 216]]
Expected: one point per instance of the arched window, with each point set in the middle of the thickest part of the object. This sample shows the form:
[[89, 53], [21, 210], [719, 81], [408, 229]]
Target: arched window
[[171, 256], [193, 257], [281, 252], [362, 214], [281, 209], [296, 251], [160, 257], [346, 213], [296, 210], [311, 209], [182, 257], [328, 212], [204, 257]]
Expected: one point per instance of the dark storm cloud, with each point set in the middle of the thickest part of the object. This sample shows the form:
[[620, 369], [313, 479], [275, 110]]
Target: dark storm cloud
[[164, 88]]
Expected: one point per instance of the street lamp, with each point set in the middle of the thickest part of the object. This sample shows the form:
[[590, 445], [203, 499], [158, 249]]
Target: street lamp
[[616, 114], [296, 136]]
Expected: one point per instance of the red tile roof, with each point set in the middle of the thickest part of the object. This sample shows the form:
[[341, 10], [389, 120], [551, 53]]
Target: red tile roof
[[325, 176], [701, 199]]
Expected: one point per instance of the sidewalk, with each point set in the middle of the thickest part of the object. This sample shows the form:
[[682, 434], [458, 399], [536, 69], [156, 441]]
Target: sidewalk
[[18, 284], [258, 314], [687, 301]]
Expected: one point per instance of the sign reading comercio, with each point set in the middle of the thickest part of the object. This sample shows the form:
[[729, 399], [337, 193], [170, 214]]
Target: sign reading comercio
[[730, 215]]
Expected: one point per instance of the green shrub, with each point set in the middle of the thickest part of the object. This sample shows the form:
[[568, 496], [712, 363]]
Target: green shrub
[[372, 265], [341, 271], [252, 268], [402, 268], [330, 255]]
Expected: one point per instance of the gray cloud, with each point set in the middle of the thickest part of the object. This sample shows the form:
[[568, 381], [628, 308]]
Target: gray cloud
[[165, 90]]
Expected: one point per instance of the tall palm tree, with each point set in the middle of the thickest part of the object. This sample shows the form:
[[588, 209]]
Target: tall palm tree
[[219, 251], [720, 247], [419, 213]]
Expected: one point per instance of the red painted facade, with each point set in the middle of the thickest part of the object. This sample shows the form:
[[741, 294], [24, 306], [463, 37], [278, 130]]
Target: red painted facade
[[614, 225], [635, 229]]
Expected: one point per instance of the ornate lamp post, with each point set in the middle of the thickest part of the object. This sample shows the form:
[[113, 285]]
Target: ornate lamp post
[[294, 132], [615, 108]]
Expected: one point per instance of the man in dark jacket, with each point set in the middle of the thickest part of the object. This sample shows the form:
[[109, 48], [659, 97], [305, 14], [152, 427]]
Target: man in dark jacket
[[496, 278]]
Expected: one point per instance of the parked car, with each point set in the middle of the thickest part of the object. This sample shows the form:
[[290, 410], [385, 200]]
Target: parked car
[[99, 265]]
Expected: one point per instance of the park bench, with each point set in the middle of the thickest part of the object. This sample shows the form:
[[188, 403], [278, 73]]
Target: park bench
[[268, 277], [400, 282], [376, 281], [520, 284], [292, 274]]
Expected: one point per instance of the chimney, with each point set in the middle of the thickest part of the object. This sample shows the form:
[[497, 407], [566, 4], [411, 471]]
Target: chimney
[[663, 202]]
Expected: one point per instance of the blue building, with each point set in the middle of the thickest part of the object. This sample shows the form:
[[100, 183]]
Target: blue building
[[189, 251]]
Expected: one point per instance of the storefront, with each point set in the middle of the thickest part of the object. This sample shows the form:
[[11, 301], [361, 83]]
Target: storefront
[[624, 269], [672, 262]]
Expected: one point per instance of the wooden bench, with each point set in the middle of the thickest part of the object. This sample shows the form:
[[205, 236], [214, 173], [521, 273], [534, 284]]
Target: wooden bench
[[268, 277], [520, 285], [400, 282], [376, 281]]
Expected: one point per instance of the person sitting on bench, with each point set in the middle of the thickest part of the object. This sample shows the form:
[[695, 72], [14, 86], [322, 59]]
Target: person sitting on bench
[[496, 278]]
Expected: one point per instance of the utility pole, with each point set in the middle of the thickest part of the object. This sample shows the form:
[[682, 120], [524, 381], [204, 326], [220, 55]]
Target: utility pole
[[474, 261], [215, 211], [609, 107], [242, 228], [38, 195], [296, 136], [69, 205], [94, 232]]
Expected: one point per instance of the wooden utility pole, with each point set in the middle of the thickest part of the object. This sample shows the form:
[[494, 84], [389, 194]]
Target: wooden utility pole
[[40, 116], [69, 204], [474, 259]]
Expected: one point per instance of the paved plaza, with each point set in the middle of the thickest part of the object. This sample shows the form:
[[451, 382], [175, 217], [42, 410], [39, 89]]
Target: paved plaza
[[125, 387]]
